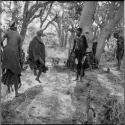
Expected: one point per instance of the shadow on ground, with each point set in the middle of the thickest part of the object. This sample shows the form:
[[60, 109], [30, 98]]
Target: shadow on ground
[[60, 99]]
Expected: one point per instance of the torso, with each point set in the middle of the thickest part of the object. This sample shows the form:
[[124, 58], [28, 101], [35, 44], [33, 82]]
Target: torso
[[13, 39], [120, 43]]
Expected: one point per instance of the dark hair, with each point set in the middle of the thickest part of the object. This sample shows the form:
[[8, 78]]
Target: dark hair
[[116, 34], [13, 26], [79, 29]]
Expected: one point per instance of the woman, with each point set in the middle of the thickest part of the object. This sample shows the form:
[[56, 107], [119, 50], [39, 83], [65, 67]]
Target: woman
[[11, 59]]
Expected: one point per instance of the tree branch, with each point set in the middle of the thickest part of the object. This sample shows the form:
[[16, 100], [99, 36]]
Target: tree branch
[[48, 12], [54, 24], [41, 22], [35, 8], [111, 11], [25, 10], [50, 22], [35, 16]]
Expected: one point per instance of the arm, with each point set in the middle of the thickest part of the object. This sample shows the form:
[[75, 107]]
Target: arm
[[4, 37], [41, 61], [20, 47], [74, 45]]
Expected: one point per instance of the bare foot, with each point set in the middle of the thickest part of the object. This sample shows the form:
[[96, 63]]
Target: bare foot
[[38, 80]]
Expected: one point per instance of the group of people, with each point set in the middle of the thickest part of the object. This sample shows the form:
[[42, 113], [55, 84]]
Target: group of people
[[13, 55], [83, 59], [119, 49]]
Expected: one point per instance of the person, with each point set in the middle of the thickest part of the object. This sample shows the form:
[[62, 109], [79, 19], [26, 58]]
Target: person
[[11, 59], [36, 53], [119, 48], [79, 48]]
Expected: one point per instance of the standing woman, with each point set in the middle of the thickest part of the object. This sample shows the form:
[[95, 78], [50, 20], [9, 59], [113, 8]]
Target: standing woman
[[11, 59]]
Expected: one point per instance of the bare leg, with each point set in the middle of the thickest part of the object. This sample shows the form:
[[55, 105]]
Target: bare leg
[[81, 74], [39, 73], [16, 90], [77, 73], [35, 73], [17, 86]]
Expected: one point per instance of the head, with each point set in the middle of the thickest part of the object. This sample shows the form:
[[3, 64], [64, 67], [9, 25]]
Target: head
[[79, 31], [87, 34], [13, 26], [40, 33], [116, 35]]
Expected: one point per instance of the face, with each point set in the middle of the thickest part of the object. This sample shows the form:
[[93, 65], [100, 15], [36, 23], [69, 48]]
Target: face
[[78, 32], [42, 35], [87, 35]]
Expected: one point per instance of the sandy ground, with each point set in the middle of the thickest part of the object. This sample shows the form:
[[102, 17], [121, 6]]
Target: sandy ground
[[55, 99], [60, 99]]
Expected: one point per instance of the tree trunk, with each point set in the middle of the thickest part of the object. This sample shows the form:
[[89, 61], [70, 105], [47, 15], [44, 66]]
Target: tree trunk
[[71, 42], [0, 57], [23, 30], [15, 12], [86, 19], [65, 41], [62, 37], [107, 30]]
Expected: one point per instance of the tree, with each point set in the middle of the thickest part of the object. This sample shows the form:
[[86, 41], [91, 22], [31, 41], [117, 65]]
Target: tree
[[44, 15], [113, 20], [29, 14], [0, 56], [87, 18], [67, 21], [24, 12], [58, 23], [106, 15]]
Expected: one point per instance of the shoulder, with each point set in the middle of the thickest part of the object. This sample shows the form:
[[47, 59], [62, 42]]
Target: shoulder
[[83, 37], [33, 39]]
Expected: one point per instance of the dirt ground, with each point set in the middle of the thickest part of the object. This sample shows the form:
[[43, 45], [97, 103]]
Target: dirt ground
[[60, 99]]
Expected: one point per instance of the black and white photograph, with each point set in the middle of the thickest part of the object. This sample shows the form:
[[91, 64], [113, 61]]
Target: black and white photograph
[[62, 62]]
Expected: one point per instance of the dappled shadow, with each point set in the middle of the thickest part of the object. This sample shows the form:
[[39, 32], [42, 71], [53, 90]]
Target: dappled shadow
[[59, 99]]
